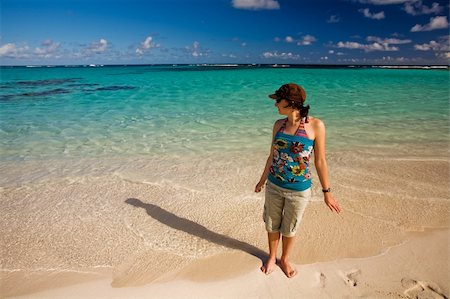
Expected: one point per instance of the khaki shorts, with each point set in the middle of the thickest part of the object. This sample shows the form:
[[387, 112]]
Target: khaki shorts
[[283, 209]]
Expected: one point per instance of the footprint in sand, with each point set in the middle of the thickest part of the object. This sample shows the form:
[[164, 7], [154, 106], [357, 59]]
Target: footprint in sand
[[320, 279], [422, 289], [350, 277]]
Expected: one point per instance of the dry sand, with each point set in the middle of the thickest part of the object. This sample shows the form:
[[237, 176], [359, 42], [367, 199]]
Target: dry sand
[[410, 270], [155, 228]]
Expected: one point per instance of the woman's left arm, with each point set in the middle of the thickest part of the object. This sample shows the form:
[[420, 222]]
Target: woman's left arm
[[321, 165]]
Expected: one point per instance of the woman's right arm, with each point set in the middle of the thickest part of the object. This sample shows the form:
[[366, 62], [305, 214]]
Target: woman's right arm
[[265, 174]]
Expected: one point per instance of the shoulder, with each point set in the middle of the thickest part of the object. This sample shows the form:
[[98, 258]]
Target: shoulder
[[318, 127], [277, 125], [316, 123], [279, 122]]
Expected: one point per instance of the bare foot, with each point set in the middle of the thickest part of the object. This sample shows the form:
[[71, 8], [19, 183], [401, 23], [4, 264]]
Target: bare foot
[[267, 268], [287, 269]]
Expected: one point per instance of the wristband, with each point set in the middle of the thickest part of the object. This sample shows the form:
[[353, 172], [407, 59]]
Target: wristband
[[326, 190]]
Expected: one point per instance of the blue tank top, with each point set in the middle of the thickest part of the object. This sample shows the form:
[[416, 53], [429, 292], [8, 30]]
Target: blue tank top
[[291, 154]]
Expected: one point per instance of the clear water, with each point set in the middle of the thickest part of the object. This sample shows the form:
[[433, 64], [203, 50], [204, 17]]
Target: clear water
[[138, 110]]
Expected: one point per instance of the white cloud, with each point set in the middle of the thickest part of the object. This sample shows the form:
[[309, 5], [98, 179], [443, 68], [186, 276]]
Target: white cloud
[[90, 50], [11, 50], [147, 44], [432, 45], [244, 44], [384, 2], [282, 55], [367, 47], [229, 55], [417, 8], [393, 59], [306, 40], [7, 49], [350, 45], [439, 22], [394, 41], [333, 19], [196, 50], [48, 49], [333, 52], [256, 4], [289, 39], [375, 16], [440, 47], [99, 47]]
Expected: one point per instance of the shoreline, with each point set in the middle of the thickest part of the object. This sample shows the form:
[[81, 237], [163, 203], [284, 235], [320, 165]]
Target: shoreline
[[224, 276]]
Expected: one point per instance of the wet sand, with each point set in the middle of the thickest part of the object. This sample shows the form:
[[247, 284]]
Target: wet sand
[[161, 226]]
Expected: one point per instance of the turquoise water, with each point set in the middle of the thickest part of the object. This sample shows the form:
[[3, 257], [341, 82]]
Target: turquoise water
[[138, 110]]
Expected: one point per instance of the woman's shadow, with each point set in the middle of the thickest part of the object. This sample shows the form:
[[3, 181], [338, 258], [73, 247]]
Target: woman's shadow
[[195, 229]]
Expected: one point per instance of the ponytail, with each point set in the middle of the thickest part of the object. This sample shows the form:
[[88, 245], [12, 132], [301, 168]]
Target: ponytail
[[299, 106]]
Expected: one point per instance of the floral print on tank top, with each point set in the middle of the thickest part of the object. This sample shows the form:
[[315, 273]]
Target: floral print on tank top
[[291, 157]]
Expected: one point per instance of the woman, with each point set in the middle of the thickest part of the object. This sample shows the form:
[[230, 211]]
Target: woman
[[288, 189]]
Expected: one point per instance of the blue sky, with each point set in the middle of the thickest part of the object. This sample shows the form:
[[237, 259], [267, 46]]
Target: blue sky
[[48, 32]]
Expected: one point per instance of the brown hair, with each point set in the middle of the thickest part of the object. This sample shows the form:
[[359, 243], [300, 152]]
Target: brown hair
[[299, 106]]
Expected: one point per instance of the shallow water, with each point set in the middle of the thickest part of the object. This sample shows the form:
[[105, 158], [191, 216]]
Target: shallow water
[[126, 111]]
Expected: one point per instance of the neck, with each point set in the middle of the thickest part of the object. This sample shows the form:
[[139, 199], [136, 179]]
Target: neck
[[294, 117]]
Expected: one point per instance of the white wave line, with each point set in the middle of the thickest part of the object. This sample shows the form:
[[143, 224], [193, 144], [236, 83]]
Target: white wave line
[[57, 270]]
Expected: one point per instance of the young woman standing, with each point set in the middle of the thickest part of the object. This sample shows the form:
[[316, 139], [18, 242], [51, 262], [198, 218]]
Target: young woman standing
[[287, 172]]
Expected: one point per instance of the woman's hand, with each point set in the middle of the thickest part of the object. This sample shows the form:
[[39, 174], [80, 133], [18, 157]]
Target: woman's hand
[[331, 202], [259, 186]]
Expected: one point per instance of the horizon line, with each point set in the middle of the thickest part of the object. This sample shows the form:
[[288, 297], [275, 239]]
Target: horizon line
[[272, 65]]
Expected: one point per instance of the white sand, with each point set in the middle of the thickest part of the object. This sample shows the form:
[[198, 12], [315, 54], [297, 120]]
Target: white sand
[[156, 227], [417, 268]]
